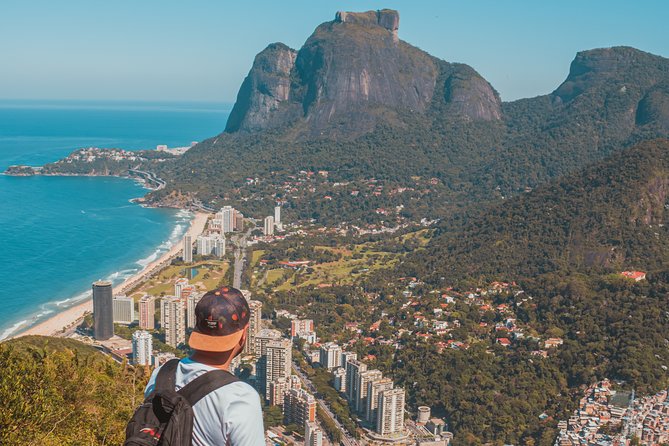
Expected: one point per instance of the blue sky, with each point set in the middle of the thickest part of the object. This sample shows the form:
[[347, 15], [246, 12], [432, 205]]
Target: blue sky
[[201, 50]]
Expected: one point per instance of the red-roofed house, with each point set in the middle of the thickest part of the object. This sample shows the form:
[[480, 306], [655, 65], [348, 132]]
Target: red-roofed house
[[635, 275], [503, 342]]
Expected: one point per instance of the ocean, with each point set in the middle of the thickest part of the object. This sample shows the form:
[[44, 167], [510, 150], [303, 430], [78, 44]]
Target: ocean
[[59, 234]]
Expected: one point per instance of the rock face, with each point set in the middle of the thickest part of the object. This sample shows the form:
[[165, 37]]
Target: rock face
[[350, 75], [470, 96], [590, 69], [263, 90], [622, 86]]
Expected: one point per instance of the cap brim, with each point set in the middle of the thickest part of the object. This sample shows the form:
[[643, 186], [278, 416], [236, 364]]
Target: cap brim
[[207, 343]]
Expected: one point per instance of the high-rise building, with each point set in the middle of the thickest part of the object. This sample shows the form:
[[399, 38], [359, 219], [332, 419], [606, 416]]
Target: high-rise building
[[238, 221], [304, 329], [211, 245], [365, 378], [268, 228], [353, 369], [227, 218], [147, 312], [313, 435], [277, 218], [295, 382], [299, 407], [263, 337], [191, 303], [188, 248], [330, 357], [142, 347], [173, 318], [254, 325], [219, 247], [261, 340], [179, 286], [374, 388], [339, 379], [278, 362], [390, 418], [123, 309], [103, 310], [348, 356], [277, 389]]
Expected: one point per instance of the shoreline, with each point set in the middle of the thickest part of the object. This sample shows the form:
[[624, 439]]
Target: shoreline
[[65, 319]]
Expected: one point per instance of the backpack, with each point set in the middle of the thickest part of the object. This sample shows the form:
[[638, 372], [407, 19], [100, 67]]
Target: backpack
[[166, 416]]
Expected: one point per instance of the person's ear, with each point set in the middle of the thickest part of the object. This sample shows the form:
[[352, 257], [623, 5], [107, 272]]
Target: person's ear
[[242, 340]]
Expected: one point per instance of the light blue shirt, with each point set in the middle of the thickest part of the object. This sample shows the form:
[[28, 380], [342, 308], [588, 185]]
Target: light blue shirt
[[230, 415]]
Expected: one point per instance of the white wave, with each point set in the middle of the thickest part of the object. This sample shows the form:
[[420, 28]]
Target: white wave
[[62, 303], [116, 277], [13, 329], [146, 260]]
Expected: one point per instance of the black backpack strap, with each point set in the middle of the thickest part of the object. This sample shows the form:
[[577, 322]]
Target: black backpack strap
[[204, 384], [167, 376]]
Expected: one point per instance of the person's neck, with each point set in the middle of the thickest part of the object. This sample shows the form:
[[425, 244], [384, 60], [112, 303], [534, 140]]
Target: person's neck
[[214, 359]]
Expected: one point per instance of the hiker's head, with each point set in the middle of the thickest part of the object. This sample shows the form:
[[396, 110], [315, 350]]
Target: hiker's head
[[221, 322]]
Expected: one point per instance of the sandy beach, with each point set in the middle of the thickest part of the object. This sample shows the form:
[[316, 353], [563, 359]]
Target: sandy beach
[[68, 317]]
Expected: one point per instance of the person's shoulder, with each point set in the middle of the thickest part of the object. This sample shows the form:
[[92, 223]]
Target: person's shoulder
[[241, 389], [235, 393]]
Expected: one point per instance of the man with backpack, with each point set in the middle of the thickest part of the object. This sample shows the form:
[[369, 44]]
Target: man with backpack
[[196, 400]]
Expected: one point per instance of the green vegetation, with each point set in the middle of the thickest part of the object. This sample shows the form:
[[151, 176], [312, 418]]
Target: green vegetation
[[564, 244], [61, 392], [609, 217], [210, 273], [472, 162], [329, 265]]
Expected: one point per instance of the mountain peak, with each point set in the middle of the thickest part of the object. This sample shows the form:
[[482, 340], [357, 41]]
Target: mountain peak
[[352, 74], [619, 63], [385, 18]]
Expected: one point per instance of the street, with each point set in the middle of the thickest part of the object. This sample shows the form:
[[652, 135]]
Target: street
[[346, 439], [240, 256]]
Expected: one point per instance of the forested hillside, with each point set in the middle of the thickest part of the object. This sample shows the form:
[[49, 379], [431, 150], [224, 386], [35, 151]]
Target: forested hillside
[[320, 109], [608, 217]]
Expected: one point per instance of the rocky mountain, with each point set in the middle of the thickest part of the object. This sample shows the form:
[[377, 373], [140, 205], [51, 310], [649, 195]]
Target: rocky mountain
[[611, 216], [352, 73], [359, 102]]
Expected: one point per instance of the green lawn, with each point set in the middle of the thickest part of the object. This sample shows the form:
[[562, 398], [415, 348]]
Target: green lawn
[[209, 275], [255, 257], [362, 259]]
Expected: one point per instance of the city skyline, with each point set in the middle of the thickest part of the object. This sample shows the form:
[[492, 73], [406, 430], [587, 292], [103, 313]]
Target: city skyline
[[176, 52]]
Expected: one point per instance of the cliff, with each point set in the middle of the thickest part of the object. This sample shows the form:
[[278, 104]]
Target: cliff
[[351, 74]]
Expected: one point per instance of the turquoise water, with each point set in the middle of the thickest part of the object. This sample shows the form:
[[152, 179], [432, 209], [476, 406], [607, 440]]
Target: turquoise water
[[58, 234]]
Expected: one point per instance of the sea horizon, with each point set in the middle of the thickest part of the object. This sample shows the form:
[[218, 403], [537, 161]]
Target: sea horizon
[[53, 221]]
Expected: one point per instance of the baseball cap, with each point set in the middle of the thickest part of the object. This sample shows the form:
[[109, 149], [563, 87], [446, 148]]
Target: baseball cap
[[220, 319]]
